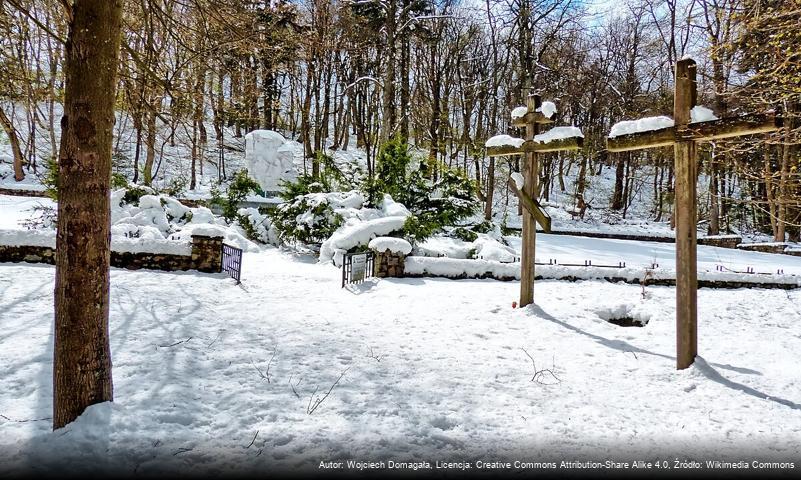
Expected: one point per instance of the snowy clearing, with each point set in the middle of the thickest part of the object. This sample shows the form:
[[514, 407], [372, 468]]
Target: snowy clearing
[[204, 372]]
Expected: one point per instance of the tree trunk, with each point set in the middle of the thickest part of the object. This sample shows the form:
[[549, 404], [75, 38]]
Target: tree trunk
[[82, 356], [11, 133], [150, 141], [620, 173], [490, 189]]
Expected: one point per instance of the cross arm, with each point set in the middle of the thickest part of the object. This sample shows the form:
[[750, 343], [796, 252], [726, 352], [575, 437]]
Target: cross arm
[[735, 126], [557, 145], [530, 117], [700, 132]]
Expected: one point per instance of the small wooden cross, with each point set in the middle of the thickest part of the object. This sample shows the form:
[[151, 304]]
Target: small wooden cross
[[684, 136], [530, 146]]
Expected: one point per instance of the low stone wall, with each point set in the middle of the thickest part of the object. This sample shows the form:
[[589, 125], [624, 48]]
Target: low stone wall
[[389, 264], [777, 247], [722, 241], [26, 253], [206, 256]]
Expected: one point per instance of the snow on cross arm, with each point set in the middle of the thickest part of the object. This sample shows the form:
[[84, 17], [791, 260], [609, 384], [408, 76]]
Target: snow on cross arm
[[519, 112], [646, 124], [700, 113], [558, 133], [504, 141]]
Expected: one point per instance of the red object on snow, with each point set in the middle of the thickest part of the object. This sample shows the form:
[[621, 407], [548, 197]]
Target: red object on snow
[[514, 304]]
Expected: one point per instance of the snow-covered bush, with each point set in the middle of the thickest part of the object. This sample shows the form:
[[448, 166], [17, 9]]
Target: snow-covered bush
[[240, 187], [257, 226], [312, 218]]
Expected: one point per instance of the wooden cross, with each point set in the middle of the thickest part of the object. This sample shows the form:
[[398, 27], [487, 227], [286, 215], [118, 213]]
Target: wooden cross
[[684, 136], [530, 146]]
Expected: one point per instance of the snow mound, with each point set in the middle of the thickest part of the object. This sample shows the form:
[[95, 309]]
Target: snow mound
[[646, 124], [488, 248], [33, 238], [624, 310], [355, 234], [393, 244]]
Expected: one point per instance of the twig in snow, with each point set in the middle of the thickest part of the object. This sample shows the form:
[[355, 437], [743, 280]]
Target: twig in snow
[[295, 385], [319, 400], [649, 274], [25, 421], [542, 376], [373, 355], [215, 339], [182, 450], [252, 441], [266, 374], [176, 343]]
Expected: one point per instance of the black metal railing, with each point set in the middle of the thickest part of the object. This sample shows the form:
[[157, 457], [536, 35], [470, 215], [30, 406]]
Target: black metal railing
[[232, 261], [357, 267]]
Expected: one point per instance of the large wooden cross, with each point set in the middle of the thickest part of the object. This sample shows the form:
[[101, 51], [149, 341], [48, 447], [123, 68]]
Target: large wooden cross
[[534, 213], [684, 135]]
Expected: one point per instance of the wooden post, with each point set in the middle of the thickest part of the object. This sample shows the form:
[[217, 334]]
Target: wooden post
[[529, 224], [686, 218]]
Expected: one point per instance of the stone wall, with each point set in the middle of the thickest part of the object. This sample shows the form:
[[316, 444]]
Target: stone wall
[[389, 264], [207, 253], [722, 241], [206, 257], [777, 247]]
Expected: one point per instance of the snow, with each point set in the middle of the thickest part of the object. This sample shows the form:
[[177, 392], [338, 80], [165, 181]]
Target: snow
[[491, 268], [547, 109], [14, 210], [146, 245], [268, 159], [558, 133], [394, 245], [504, 141], [637, 255], [488, 248], [646, 124], [33, 238], [157, 224], [699, 113], [518, 179], [355, 234], [434, 370], [519, 112]]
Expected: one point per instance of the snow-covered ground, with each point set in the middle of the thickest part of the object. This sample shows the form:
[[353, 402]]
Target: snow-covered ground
[[212, 377]]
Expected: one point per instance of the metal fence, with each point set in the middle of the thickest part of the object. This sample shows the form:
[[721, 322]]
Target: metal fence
[[357, 267], [232, 261]]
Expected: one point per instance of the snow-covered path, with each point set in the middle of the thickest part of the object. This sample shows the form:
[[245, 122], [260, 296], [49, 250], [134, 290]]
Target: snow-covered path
[[434, 370]]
